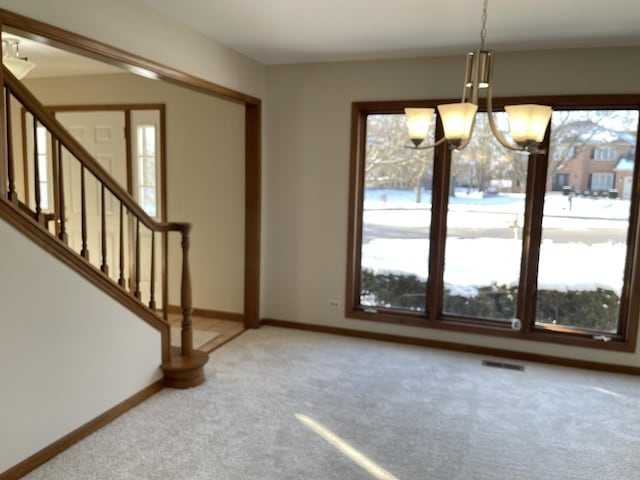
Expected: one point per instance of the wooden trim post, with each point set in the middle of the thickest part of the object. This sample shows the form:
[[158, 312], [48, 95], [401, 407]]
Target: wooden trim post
[[185, 296], [4, 136]]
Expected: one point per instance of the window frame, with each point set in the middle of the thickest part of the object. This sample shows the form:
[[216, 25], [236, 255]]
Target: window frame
[[433, 317]]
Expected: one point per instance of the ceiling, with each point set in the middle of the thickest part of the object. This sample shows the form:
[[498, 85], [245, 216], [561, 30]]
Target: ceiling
[[303, 31], [300, 31], [53, 62]]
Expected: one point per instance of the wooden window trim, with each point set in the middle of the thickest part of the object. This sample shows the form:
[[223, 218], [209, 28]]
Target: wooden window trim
[[624, 341]]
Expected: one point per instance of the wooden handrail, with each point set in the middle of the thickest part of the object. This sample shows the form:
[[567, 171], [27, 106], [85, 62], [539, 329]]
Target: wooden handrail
[[74, 147], [61, 138]]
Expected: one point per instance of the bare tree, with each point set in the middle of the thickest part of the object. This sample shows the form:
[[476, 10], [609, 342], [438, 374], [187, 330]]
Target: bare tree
[[389, 163], [484, 159]]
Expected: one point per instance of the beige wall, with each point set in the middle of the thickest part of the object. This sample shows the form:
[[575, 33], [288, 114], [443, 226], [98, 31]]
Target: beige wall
[[306, 171], [205, 175], [62, 363]]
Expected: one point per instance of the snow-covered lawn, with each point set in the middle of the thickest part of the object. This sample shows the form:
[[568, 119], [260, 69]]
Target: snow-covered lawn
[[476, 262]]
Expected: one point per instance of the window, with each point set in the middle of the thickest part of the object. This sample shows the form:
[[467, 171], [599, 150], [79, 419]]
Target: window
[[146, 173], [604, 153], [42, 142], [484, 214], [601, 181], [396, 205], [477, 238]]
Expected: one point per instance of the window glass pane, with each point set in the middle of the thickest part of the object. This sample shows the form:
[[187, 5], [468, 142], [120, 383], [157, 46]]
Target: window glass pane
[[586, 219], [44, 196], [396, 216], [147, 140], [41, 138], [43, 171], [140, 142], [150, 140], [148, 200], [484, 226], [148, 170]]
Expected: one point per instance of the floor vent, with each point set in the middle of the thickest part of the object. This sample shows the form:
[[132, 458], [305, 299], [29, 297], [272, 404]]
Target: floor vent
[[509, 366]]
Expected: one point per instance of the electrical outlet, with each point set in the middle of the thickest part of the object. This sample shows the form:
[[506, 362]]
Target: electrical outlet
[[334, 304]]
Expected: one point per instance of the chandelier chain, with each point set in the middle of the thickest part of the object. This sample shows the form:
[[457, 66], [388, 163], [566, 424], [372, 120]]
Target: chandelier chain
[[483, 32]]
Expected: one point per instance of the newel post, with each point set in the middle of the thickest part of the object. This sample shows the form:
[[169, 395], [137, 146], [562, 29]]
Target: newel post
[[187, 334], [187, 369]]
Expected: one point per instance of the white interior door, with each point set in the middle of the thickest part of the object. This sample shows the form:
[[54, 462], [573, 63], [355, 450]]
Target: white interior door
[[102, 134]]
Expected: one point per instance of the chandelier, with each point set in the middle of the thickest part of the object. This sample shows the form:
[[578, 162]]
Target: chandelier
[[17, 65], [527, 123]]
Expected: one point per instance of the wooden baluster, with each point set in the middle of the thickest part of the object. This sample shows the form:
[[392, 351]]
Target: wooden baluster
[[131, 252], [11, 194], [152, 298], [54, 185], [104, 266], [83, 212], [136, 291], [165, 271], [185, 296], [62, 233], [121, 280], [36, 172]]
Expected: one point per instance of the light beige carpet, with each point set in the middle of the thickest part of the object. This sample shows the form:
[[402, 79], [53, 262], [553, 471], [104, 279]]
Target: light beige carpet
[[289, 405], [200, 337]]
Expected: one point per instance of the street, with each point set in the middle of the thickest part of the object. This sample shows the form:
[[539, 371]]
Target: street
[[372, 231]]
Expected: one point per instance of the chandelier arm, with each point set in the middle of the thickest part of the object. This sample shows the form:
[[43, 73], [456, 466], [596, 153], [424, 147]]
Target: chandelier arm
[[492, 123], [426, 146], [466, 78], [498, 134], [475, 78]]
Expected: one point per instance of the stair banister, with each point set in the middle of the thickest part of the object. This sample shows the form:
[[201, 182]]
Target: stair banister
[[62, 138]]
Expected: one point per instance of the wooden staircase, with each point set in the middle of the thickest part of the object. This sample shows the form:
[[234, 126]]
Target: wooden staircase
[[183, 367]]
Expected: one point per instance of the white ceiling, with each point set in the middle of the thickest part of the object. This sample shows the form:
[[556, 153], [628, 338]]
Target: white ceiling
[[295, 31], [302, 31]]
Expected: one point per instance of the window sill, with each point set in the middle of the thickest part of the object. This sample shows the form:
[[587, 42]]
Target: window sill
[[546, 334]]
